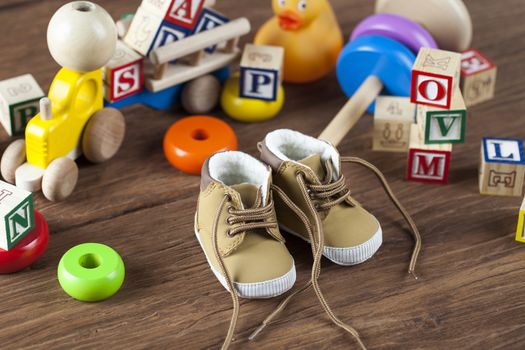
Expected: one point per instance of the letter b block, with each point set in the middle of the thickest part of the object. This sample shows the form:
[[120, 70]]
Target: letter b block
[[124, 73], [261, 68], [16, 209], [19, 102], [435, 77], [502, 169], [427, 163]]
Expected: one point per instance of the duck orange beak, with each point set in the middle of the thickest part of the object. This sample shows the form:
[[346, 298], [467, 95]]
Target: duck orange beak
[[289, 20]]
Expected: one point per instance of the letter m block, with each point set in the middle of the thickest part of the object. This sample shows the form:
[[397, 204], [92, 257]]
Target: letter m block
[[16, 208], [261, 68], [428, 166]]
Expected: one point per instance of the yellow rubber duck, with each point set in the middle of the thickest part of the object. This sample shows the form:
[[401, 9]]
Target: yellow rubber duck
[[309, 32]]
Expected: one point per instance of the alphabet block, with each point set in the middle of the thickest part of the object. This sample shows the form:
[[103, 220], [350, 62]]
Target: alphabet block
[[427, 163], [16, 210], [444, 125], [502, 169], [261, 72], [435, 76], [168, 33], [478, 77], [143, 31], [185, 13], [124, 73], [520, 231], [393, 118], [209, 19], [19, 102]]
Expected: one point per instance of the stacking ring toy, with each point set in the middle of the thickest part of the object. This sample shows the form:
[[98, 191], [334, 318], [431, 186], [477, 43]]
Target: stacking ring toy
[[190, 141], [91, 272], [447, 20], [28, 250]]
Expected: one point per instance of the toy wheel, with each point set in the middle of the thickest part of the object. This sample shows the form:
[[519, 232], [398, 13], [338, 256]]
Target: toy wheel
[[13, 157], [103, 135], [201, 95], [60, 179]]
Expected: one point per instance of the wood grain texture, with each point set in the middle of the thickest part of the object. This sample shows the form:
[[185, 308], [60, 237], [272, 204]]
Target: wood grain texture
[[469, 295]]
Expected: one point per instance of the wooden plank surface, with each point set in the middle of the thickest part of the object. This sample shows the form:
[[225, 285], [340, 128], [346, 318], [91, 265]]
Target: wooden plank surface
[[469, 295]]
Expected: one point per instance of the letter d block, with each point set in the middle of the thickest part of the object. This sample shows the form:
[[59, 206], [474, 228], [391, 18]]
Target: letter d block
[[261, 68], [502, 169], [435, 77], [124, 73], [427, 163], [19, 102], [16, 208]]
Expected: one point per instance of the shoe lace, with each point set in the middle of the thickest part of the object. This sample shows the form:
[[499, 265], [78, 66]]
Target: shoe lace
[[321, 198], [242, 220]]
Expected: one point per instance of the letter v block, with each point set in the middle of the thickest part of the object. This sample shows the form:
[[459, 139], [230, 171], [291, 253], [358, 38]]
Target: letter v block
[[16, 208], [261, 68], [427, 163], [502, 169], [444, 125], [520, 231]]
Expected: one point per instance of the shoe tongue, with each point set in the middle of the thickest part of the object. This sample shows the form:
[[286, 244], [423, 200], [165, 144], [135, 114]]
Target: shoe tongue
[[315, 163], [250, 194]]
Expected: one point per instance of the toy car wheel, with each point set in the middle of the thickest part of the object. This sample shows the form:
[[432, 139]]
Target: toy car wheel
[[13, 157], [103, 135], [60, 179], [201, 96]]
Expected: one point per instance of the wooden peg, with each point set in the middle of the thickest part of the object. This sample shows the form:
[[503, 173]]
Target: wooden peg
[[46, 112]]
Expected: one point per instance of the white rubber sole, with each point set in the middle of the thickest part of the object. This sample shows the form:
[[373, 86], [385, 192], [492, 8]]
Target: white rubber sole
[[352, 255], [259, 290]]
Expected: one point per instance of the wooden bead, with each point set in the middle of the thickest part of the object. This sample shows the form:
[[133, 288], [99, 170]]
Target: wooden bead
[[60, 179], [81, 36], [201, 95], [13, 157], [103, 135]]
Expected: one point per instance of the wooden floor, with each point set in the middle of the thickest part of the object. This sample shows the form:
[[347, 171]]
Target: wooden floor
[[471, 291]]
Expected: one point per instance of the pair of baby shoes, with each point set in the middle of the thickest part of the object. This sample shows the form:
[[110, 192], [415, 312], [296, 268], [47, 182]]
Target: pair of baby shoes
[[297, 188]]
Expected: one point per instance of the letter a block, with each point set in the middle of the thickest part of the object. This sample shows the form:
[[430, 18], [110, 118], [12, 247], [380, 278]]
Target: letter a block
[[393, 118], [427, 163], [435, 77], [124, 73], [478, 77], [261, 68], [16, 208], [444, 125], [185, 13], [520, 231], [502, 169], [19, 102]]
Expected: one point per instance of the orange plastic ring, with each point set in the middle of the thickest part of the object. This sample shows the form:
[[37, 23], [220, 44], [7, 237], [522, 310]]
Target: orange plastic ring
[[190, 141]]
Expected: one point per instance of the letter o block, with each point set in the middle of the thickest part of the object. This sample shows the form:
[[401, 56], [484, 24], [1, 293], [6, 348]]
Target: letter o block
[[261, 68]]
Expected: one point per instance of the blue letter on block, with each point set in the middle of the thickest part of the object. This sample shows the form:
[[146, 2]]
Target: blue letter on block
[[503, 150], [261, 84]]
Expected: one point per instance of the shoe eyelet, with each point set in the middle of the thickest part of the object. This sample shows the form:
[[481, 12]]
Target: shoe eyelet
[[229, 233], [229, 209], [228, 220]]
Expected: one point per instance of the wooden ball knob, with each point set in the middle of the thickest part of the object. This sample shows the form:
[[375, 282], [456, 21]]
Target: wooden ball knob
[[81, 36]]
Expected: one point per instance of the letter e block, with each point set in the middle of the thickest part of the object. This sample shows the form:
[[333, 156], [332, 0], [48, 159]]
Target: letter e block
[[185, 13], [444, 125], [124, 73], [143, 30], [520, 231], [16, 208], [261, 68], [19, 102], [478, 78], [427, 163], [435, 77], [209, 19], [502, 169], [393, 118]]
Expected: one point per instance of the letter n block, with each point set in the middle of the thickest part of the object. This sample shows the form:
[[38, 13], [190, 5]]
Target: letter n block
[[393, 118], [502, 169], [19, 102], [435, 77], [444, 125], [16, 208], [185, 13], [427, 163], [124, 73], [478, 77], [520, 231], [261, 68]]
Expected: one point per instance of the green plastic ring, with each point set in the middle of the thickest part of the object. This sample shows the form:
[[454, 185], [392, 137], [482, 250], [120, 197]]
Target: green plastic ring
[[91, 272]]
